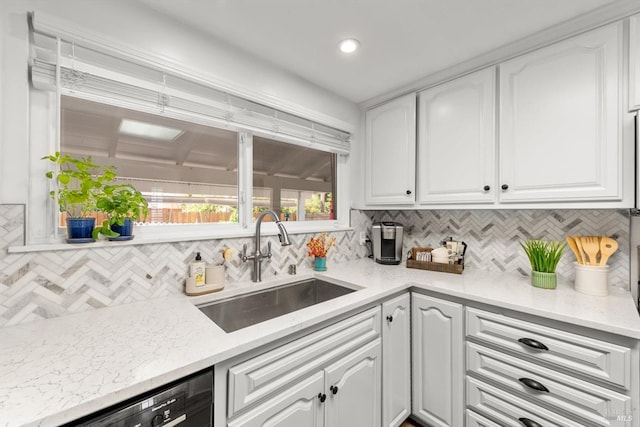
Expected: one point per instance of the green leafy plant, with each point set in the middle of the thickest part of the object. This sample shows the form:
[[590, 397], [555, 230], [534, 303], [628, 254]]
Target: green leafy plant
[[79, 183], [119, 201], [543, 256]]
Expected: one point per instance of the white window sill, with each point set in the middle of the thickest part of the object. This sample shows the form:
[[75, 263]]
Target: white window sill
[[147, 235]]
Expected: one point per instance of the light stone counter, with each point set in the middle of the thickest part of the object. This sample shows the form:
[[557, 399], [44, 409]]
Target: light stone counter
[[58, 370]]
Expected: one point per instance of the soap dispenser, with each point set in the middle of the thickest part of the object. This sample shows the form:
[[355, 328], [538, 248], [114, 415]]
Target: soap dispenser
[[197, 270]]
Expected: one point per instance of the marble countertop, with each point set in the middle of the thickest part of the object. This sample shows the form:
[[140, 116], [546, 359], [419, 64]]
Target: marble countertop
[[58, 370]]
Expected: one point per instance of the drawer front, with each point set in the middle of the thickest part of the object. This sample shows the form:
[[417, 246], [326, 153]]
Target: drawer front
[[476, 420], [598, 359], [507, 410], [255, 378], [569, 395]]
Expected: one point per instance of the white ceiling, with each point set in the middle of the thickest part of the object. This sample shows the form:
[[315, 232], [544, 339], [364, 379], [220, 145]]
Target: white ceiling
[[402, 40]]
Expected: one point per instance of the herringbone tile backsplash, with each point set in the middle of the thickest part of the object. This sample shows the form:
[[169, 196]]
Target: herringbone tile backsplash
[[39, 285]]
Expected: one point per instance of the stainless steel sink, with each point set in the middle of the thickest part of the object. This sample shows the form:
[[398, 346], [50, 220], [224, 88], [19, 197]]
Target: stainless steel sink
[[246, 310]]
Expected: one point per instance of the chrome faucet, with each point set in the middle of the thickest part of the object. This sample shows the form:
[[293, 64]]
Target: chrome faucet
[[258, 256]]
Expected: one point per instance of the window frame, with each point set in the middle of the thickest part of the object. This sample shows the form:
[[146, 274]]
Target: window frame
[[45, 121]]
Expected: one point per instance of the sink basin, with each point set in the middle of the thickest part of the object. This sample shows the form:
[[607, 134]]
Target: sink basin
[[246, 310]]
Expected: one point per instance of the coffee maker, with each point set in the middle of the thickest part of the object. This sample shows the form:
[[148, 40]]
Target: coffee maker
[[387, 242]]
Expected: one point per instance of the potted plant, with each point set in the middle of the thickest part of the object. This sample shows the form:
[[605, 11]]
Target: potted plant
[[544, 258], [79, 182], [124, 204], [318, 248]]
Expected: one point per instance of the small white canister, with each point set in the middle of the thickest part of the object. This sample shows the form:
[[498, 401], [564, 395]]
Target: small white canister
[[592, 279]]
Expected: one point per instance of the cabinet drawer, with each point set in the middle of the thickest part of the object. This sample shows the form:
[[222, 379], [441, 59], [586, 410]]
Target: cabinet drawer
[[477, 420], [506, 409], [255, 378], [567, 394], [587, 356]]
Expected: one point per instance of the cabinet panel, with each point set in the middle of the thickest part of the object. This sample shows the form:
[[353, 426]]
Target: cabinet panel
[[543, 386], [476, 420], [584, 355], [438, 368], [396, 361], [353, 389], [560, 121], [390, 152], [507, 409], [296, 406], [255, 378], [456, 141], [634, 63]]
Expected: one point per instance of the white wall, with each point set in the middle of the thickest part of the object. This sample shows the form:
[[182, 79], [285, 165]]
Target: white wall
[[127, 22]]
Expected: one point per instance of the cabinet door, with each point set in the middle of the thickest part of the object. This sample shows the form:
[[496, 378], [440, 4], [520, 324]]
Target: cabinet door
[[634, 63], [456, 141], [390, 152], [561, 121], [353, 391], [438, 369], [396, 361], [297, 406]]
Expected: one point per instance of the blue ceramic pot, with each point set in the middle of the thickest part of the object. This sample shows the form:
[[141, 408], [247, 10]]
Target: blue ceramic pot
[[80, 228], [320, 264], [124, 230]]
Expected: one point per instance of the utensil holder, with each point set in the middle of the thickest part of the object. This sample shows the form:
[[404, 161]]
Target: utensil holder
[[592, 280]]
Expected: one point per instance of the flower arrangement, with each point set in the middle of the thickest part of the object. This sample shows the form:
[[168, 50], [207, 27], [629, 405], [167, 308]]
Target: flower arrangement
[[319, 246]]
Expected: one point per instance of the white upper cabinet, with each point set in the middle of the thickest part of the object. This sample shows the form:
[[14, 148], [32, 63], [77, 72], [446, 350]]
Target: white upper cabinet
[[456, 141], [634, 63], [390, 152], [560, 133]]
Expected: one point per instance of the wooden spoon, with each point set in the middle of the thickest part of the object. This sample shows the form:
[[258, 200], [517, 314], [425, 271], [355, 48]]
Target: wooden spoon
[[607, 247], [583, 256], [591, 245], [574, 247]]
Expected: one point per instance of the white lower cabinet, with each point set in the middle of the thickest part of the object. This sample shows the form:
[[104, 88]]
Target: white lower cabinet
[[330, 377], [295, 407], [396, 360], [438, 361]]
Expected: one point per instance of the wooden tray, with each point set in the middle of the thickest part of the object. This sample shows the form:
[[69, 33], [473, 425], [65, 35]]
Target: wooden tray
[[433, 266]]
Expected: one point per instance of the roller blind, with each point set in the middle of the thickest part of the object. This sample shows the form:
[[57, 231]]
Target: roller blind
[[86, 68]]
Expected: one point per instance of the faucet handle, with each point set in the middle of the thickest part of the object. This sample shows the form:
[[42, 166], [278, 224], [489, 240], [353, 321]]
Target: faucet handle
[[243, 256], [269, 249]]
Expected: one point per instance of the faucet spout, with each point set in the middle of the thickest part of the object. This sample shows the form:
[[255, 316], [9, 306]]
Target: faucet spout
[[258, 256]]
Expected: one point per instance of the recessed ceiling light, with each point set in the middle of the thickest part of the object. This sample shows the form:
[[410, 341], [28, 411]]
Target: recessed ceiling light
[[149, 130], [349, 45]]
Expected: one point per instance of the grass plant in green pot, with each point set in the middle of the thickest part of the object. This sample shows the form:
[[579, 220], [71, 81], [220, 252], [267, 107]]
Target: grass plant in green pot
[[79, 182], [544, 257], [124, 204]]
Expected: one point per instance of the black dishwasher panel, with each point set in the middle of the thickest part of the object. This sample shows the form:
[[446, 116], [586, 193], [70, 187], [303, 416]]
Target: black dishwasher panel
[[184, 403]]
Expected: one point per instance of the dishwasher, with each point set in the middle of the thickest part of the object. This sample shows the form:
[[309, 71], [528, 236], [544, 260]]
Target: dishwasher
[[187, 402]]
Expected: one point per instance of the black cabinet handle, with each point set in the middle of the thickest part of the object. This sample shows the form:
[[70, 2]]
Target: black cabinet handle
[[486, 188], [533, 384], [529, 423], [408, 192], [389, 318], [334, 389], [504, 187], [322, 397], [530, 342]]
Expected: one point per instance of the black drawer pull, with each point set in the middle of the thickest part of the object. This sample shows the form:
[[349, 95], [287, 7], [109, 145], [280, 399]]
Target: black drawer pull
[[530, 342], [322, 397], [529, 423], [533, 384], [389, 319]]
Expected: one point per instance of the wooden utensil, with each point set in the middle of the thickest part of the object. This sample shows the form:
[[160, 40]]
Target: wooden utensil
[[578, 240], [574, 247], [591, 245], [607, 247]]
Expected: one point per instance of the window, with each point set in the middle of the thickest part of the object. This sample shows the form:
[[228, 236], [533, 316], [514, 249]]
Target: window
[[296, 182], [187, 172]]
